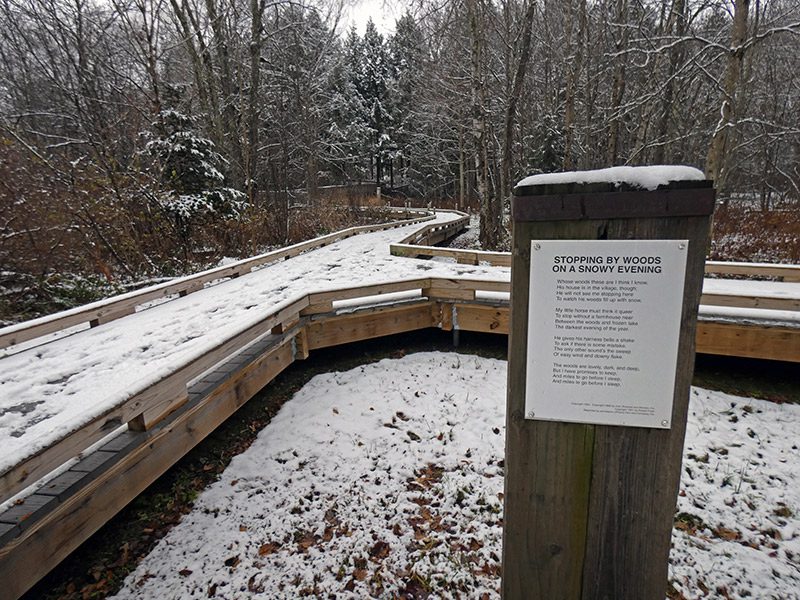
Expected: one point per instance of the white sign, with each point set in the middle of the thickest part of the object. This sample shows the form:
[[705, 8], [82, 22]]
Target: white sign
[[603, 325]]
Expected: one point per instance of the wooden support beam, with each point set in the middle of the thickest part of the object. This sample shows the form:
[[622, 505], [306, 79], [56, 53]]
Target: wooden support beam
[[301, 344], [437, 293], [283, 327], [748, 340], [442, 314], [195, 286], [317, 309], [484, 319], [157, 412], [368, 324]]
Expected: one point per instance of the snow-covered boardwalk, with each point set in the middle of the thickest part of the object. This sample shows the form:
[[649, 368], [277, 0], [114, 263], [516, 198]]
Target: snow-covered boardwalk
[[48, 390], [62, 392]]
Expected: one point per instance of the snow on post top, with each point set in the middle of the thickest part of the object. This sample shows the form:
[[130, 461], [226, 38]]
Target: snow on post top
[[646, 178]]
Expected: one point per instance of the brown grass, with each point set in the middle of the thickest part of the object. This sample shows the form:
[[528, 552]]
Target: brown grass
[[747, 235]]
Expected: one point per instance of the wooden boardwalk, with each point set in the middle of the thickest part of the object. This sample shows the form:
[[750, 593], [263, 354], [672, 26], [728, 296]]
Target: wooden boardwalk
[[103, 465]]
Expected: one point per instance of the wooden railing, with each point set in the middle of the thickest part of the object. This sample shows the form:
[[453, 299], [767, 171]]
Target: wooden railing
[[437, 233], [114, 308], [464, 257], [409, 249], [766, 300]]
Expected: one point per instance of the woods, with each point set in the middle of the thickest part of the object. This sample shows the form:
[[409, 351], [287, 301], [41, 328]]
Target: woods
[[141, 137]]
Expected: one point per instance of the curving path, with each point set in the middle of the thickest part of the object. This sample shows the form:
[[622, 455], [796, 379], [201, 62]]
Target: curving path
[[50, 390]]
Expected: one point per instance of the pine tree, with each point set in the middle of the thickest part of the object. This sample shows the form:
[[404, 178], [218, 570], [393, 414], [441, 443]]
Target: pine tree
[[373, 85], [189, 170], [407, 56]]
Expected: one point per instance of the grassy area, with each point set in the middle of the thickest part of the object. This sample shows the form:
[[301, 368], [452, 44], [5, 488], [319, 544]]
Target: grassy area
[[98, 567]]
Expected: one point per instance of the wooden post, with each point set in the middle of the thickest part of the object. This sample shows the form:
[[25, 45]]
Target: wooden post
[[589, 508]]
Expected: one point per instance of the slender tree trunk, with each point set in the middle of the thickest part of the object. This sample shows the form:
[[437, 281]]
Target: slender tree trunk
[[716, 158], [573, 72], [490, 217], [618, 86], [513, 99], [253, 113], [676, 25], [461, 169]]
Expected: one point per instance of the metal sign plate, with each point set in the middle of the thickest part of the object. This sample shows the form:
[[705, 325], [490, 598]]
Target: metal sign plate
[[603, 327]]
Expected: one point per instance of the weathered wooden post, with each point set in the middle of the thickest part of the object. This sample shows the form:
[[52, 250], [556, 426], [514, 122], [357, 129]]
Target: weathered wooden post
[[606, 279]]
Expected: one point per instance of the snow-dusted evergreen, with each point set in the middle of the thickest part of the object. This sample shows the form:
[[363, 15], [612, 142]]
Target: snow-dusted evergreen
[[189, 169]]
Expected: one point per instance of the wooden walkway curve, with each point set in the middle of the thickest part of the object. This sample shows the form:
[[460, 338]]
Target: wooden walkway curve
[[85, 473]]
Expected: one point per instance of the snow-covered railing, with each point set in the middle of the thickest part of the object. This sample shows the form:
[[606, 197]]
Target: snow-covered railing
[[110, 309], [434, 234], [715, 293], [150, 403], [166, 419]]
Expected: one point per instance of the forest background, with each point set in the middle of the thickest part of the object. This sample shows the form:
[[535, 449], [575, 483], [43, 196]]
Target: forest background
[[143, 139]]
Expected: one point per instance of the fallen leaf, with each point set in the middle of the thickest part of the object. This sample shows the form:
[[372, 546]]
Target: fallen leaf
[[305, 542], [379, 551], [727, 534], [232, 561], [267, 549], [185, 572]]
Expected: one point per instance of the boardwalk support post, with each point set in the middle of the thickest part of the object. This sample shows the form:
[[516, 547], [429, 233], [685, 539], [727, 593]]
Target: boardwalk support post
[[589, 507]]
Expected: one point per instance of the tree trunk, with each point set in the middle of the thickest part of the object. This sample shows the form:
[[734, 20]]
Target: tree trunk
[[676, 25], [573, 72], [251, 152], [513, 99], [618, 86], [490, 217], [716, 158]]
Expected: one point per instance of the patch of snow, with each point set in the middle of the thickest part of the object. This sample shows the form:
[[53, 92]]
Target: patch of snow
[[389, 474], [755, 316], [647, 178]]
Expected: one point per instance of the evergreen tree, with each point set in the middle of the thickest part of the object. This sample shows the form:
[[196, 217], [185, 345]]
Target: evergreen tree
[[373, 85], [189, 170], [348, 135], [407, 55]]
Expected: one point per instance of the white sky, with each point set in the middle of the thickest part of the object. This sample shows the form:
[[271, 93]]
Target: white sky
[[384, 13]]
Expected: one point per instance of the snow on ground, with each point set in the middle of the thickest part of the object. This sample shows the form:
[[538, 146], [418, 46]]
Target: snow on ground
[[387, 480], [52, 389]]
